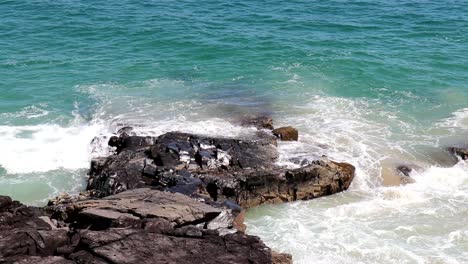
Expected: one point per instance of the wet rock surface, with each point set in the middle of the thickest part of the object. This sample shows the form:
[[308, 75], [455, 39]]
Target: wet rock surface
[[176, 198], [137, 226], [286, 133]]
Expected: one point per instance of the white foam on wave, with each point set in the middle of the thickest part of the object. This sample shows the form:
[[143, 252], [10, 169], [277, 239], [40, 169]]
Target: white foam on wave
[[47, 147], [414, 223], [40, 148], [212, 127], [353, 130], [459, 119]]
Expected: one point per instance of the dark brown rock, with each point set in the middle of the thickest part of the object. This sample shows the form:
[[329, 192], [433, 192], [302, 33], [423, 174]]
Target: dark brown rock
[[144, 247], [318, 179], [28, 231], [29, 241], [5, 202], [281, 258], [286, 133], [43, 260], [160, 241], [133, 206]]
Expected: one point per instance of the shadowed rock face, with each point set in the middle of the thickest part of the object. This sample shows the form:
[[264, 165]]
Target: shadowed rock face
[[28, 231], [177, 198]]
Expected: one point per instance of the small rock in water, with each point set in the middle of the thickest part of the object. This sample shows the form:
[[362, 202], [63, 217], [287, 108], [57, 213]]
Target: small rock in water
[[286, 133]]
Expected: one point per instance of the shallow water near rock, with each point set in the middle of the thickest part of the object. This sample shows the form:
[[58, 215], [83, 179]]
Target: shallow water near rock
[[363, 82]]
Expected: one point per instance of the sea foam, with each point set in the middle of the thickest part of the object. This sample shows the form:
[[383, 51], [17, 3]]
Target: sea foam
[[41, 148]]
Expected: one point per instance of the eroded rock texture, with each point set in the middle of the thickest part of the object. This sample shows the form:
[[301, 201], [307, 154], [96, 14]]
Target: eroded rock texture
[[136, 226]]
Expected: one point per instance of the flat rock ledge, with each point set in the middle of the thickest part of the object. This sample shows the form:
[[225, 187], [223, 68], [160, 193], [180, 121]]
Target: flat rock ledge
[[176, 198]]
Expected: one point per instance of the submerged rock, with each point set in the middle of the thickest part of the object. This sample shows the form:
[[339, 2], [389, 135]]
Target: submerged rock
[[286, 133], [394, 173]]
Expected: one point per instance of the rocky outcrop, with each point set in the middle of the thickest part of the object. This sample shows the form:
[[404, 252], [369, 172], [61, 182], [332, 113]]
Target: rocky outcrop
[[176, 198], [286, 133], [239, 171], [250, 188], [134, 207], [137, 226], [168, 162], [124, 246]]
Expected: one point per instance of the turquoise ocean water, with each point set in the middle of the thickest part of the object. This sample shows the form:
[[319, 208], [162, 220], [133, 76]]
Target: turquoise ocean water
[[368, 82]]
